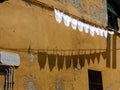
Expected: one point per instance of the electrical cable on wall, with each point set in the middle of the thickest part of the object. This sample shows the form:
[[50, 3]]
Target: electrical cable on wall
[[28, 50]]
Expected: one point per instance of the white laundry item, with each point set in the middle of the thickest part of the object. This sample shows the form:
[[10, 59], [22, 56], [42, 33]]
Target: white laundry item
[[101, 32], [92, 30], [110, 32], [74, 23], [86, 28], [80, 26], [105, 33], [58, 15], [97, 30], [67, 20]]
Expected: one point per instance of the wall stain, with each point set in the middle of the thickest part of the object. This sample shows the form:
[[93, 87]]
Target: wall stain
[[29, 83]]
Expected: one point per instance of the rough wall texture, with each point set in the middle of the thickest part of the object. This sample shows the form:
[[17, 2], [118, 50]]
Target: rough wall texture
[[96, 10], [26, 29]]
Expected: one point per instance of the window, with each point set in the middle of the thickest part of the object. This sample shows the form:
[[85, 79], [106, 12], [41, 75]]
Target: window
[[112, 17], [95, 80], [1, 1]]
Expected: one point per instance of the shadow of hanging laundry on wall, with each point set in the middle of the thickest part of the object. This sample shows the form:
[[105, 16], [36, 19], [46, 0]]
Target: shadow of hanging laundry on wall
[[68, 62], [60, 62], [42, 56], [98, 56], [114, 61], [92, 56], [75, 61], [88, 58], [82, 60], [51, 61], [108, 52], [60, 85], [104, 55]]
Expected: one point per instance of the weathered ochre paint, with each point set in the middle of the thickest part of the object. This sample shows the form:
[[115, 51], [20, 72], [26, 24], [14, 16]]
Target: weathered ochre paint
[[2, 80], [29, 28], [90, 10]]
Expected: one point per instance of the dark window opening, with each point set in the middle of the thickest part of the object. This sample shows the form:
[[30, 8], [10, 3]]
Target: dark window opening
[[112, 17], [112, 21], [95, 80], [1, 1]]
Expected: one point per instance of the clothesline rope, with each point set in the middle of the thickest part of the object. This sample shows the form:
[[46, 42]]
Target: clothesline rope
[[54, 49]]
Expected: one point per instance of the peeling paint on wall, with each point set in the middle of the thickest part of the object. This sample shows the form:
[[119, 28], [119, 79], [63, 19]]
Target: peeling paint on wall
[[96, 9], [64, 1], [29, 83], [103, 13], [81, 5], [60, 85], [109, 87]]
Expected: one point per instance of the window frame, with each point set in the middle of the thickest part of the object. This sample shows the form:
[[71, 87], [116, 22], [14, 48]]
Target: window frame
[[112, 17], [95, 80]]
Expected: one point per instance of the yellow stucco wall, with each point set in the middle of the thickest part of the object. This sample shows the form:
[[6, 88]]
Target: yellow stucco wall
[[27, 28]]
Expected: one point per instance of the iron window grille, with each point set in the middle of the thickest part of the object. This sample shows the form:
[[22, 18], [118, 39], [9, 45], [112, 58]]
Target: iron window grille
[[95, 80]]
